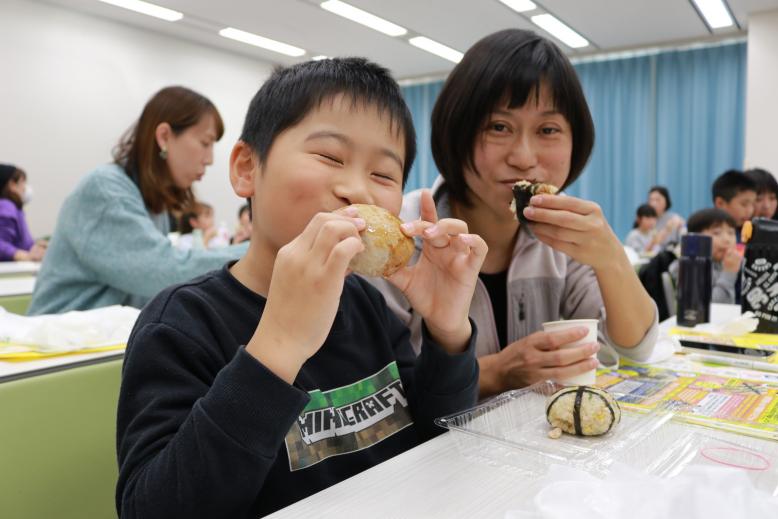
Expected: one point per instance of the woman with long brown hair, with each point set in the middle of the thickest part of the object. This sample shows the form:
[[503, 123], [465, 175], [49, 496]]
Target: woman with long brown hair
[[110, 245]]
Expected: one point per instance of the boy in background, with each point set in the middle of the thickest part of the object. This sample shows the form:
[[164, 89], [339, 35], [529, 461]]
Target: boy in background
[[260, 384], [243, 229], [735, 193]]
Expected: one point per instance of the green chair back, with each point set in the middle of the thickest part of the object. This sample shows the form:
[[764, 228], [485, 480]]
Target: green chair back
[[16, 304], [57, 443]]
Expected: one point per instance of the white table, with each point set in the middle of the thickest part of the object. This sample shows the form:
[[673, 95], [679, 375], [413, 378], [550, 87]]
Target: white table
[[719, 313], [16, 286], [432, 480], [436, 480], [19, 268]]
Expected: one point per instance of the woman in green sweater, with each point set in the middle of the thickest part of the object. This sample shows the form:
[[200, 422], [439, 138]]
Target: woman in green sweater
[[110, 244]]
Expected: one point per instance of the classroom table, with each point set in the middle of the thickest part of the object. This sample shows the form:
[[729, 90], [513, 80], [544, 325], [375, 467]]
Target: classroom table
[[719, 313], [16, 293], [436, 480], [19, 268], [16, 286]]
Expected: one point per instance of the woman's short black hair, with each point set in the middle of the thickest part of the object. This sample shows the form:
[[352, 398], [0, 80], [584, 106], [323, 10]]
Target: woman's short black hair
[[511, 64], [293, 92], [705, 219], [764, 181], [662, 190]]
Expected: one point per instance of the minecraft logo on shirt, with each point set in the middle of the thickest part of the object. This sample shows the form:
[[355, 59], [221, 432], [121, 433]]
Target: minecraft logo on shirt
[[348, 419]]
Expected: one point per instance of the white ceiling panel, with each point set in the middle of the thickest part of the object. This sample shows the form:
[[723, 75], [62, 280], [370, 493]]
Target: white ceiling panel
[[455, 23], [609, 24], [613, 24]]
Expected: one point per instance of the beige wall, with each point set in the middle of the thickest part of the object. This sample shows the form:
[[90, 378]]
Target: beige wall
[[762, 92], [72, 83]]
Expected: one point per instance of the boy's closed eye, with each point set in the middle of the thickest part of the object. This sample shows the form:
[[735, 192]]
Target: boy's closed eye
[[330, 158], [386, 178]]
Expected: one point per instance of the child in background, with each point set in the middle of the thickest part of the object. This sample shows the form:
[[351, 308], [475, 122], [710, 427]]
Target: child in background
[[243, 230], [643, 237], [766, 205], [668, 223], [735, 193], [259, 384], [198, 230], [720, 226], [16, 243]]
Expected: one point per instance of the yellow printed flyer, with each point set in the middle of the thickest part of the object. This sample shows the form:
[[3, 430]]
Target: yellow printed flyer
[[743, 406]]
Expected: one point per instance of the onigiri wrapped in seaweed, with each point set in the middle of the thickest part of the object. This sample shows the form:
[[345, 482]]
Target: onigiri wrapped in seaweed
[[523, 190], [583, 411]]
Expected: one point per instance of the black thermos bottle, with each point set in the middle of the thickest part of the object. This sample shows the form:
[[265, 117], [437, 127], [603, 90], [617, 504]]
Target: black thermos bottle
[[760, 273], [694, 279]]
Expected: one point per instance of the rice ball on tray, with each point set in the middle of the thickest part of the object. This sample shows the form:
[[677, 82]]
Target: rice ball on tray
[[583, 411]]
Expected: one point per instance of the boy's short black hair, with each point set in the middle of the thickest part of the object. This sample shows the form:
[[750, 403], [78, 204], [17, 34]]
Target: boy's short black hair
[[765, 182], [293, 92], [708, 219], [507, 65], [730, 184], [662, 190]]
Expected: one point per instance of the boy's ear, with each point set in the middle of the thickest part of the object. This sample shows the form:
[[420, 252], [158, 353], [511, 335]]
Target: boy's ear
[[719, 202], [244, 166]]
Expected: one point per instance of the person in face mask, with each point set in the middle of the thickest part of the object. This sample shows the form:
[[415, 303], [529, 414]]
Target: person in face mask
[[16, 243]]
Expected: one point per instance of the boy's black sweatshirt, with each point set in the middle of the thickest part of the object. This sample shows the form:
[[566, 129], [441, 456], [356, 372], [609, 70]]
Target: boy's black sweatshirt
[[205, 430]]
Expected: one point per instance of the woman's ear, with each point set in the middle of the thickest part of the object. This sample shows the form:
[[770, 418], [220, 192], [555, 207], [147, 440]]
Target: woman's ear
[[162, 134], [244, 166]]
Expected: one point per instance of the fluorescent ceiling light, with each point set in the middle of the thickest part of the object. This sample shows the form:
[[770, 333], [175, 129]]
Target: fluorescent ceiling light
[[358, 15], [261, 41], [436, 48], [146, 8], [520, 6], [559, 30], [319, 58], [715, 13]]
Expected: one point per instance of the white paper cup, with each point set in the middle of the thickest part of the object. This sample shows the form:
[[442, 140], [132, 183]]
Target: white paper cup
[[587, 378]]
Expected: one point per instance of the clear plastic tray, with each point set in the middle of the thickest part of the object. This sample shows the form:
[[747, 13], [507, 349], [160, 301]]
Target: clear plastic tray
[[512, 429]]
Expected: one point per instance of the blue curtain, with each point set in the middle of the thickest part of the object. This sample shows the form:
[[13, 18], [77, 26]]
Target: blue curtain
[[420, 99], [620, 170], [700, 121], [673, 118]]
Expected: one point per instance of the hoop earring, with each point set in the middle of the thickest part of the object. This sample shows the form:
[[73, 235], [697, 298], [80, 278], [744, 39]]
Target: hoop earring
[[163, 153]]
